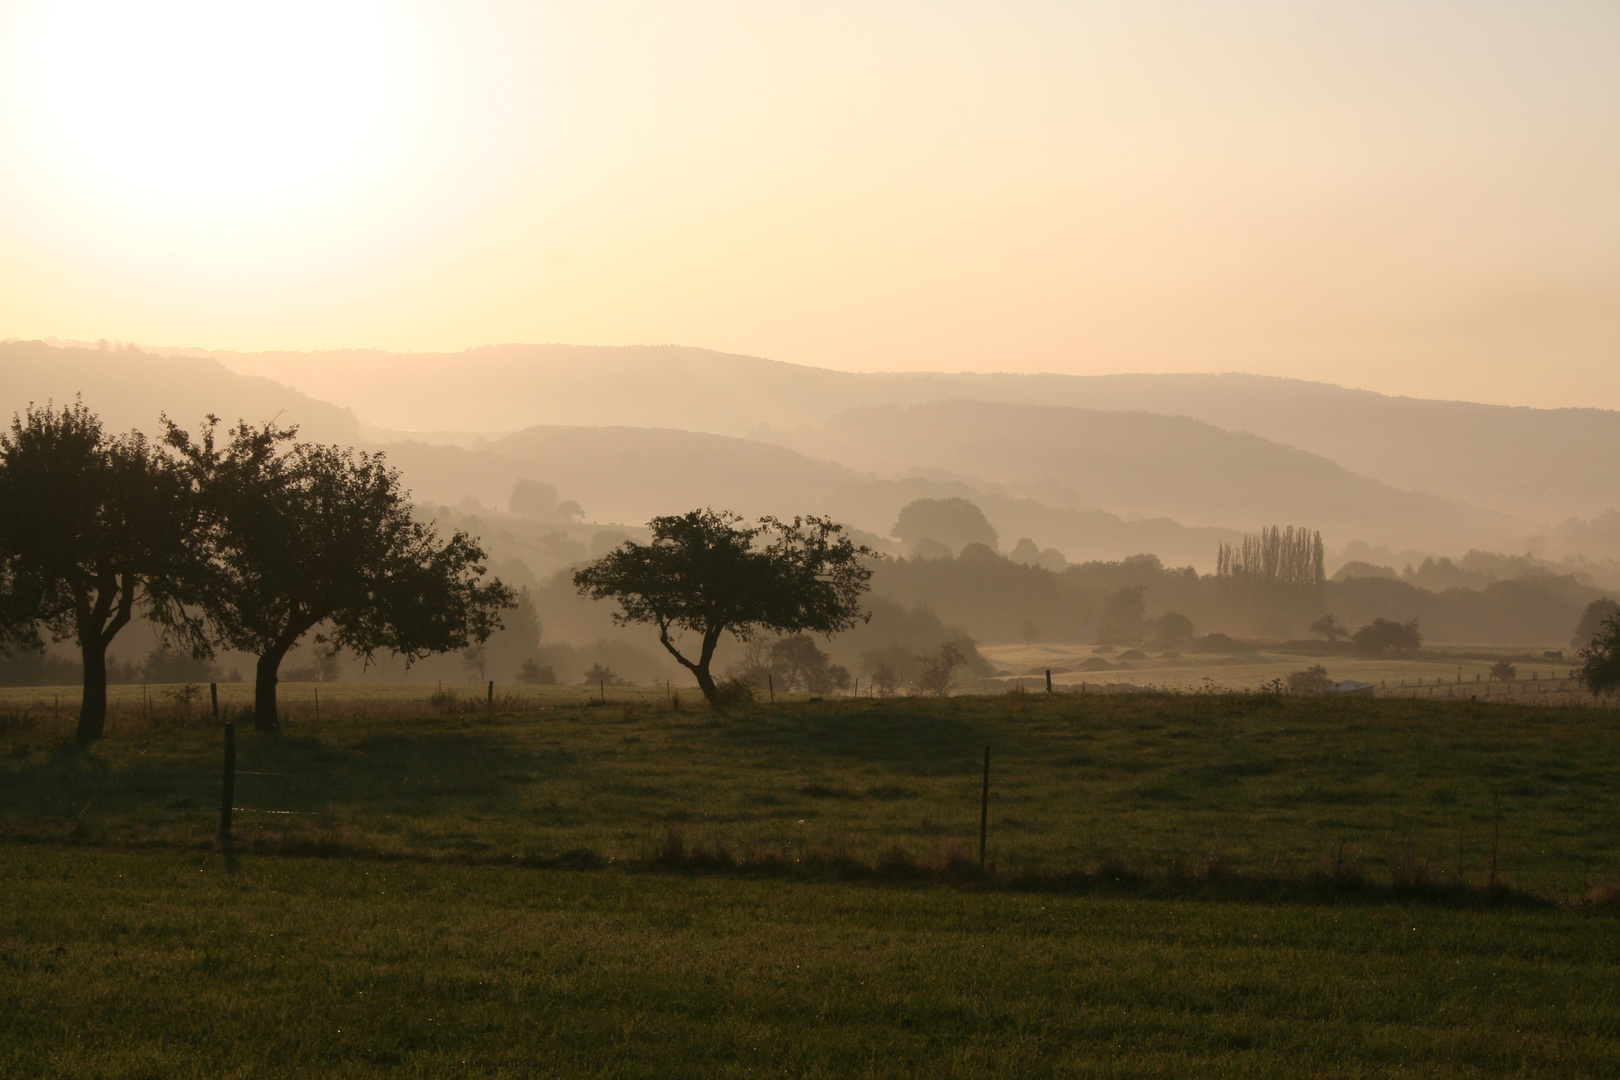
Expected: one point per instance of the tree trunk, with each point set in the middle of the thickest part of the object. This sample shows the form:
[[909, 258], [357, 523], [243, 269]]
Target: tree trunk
[[705, 681], [265, 715], [93, 706]]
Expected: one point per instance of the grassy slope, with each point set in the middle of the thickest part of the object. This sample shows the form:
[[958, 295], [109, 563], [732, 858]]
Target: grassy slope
[[168, 964], [1276, 784]]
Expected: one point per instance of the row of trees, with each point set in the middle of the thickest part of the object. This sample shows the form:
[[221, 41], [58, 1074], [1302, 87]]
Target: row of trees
[[245, 539]]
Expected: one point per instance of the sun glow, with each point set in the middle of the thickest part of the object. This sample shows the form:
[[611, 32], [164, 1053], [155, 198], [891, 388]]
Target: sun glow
[[210, 113]]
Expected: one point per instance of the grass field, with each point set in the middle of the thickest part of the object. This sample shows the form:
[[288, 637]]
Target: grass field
[[1193, 885], [172, 965], [1261, 784]]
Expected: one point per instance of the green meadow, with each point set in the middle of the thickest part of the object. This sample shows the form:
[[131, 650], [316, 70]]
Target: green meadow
[[1178, 885]]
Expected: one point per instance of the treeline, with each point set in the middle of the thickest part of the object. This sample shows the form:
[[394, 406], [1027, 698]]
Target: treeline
[[244, 539], [995, 598]]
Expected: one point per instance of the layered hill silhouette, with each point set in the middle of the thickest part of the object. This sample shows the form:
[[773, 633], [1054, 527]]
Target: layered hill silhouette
[[640, 438], [1540, 464]]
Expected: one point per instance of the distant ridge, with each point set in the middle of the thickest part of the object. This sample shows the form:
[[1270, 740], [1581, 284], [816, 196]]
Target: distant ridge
[[1540, 464]]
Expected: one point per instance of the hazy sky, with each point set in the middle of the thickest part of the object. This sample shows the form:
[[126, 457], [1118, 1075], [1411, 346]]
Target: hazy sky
[[1413, 196]]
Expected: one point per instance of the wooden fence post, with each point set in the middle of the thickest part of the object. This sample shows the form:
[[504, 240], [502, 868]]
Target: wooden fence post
[[1048, 680], [984, 808], [228, 794], [491, 698]]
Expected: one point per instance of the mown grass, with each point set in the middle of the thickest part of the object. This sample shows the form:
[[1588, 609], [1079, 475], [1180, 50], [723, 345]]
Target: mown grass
[[1430, 792], [119, 963]]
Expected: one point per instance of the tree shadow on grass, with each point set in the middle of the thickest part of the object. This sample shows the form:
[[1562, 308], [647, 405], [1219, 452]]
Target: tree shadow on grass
[[421, 774], [919, 740]]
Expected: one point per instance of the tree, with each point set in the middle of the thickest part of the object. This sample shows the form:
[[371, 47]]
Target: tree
[[1592, 619], [1173, 628], [475, 658], [1123, 613], [802, 666], [1330, 627], [1600, 659], [1311, 680], [939, 670], [705, 574], [954, 522], [310, 539], [1504, 671], [1385, 635], [92, 528]]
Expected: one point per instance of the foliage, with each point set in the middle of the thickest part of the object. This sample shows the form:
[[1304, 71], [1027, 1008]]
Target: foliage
[[1285, 558], [705, 575], [1123, 613], [1600, 659], [1385, 635], [1504, 671], [534, 673], [1597, 613], [1311, 680], [1330, 627], [938, 671], [317, 539], [954, 522], [1173, 628], [793, 664], [92, 527], [165, 664], [599, 675]]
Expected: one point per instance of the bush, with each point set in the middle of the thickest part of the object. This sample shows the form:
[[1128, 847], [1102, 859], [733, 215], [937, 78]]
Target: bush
[[1312, 680], [1503, 671], [537, 674]]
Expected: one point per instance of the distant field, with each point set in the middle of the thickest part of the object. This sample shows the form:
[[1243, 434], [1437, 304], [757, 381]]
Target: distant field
[[1257, 783], [1394, 676], [185, 967]]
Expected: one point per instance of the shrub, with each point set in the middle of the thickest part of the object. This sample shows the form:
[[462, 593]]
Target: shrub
[[1312, 680]]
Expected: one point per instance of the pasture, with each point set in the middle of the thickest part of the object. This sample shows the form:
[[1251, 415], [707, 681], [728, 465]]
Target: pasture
[[1175, 885]]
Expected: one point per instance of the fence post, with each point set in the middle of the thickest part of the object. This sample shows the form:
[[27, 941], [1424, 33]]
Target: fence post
[[317, 705], [772, 684], [228, 794], [984, 808], [1048, 680], [491, 697]]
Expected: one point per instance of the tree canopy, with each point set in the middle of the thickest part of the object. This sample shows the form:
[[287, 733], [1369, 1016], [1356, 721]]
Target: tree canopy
[[92, 528], [308, 539], [1387, 635], [705, 573], [1600, 658]]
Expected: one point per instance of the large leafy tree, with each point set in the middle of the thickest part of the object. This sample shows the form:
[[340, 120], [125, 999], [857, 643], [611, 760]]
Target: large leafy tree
[[318, 541], [707, 574], [1600, 658], [93, 528]]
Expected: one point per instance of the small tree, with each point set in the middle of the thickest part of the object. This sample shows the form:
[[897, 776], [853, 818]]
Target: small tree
[[1173, 628], [1330, 627], [939, 670], [703, 574], [316, 539], [475, 658], [1387, 635], [1311, 680], [1504, 671], [1591, 621], [1600, 659], [92, 528]]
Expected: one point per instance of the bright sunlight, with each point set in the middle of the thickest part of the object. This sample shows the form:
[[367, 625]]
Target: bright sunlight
[[194, 112]]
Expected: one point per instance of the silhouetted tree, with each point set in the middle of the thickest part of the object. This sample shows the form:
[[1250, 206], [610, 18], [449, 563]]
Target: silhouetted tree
[[1173, 628], [953, 522], [938, 670], [1600, 658], [703, 574], [1504, 671], [311, 538], [1123, 613], [1386, 635], [1592, 619], [1330, 627], [91, 528], [1311, 680]]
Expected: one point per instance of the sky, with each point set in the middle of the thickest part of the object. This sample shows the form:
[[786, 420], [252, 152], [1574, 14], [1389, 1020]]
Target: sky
[[1417, 197]]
